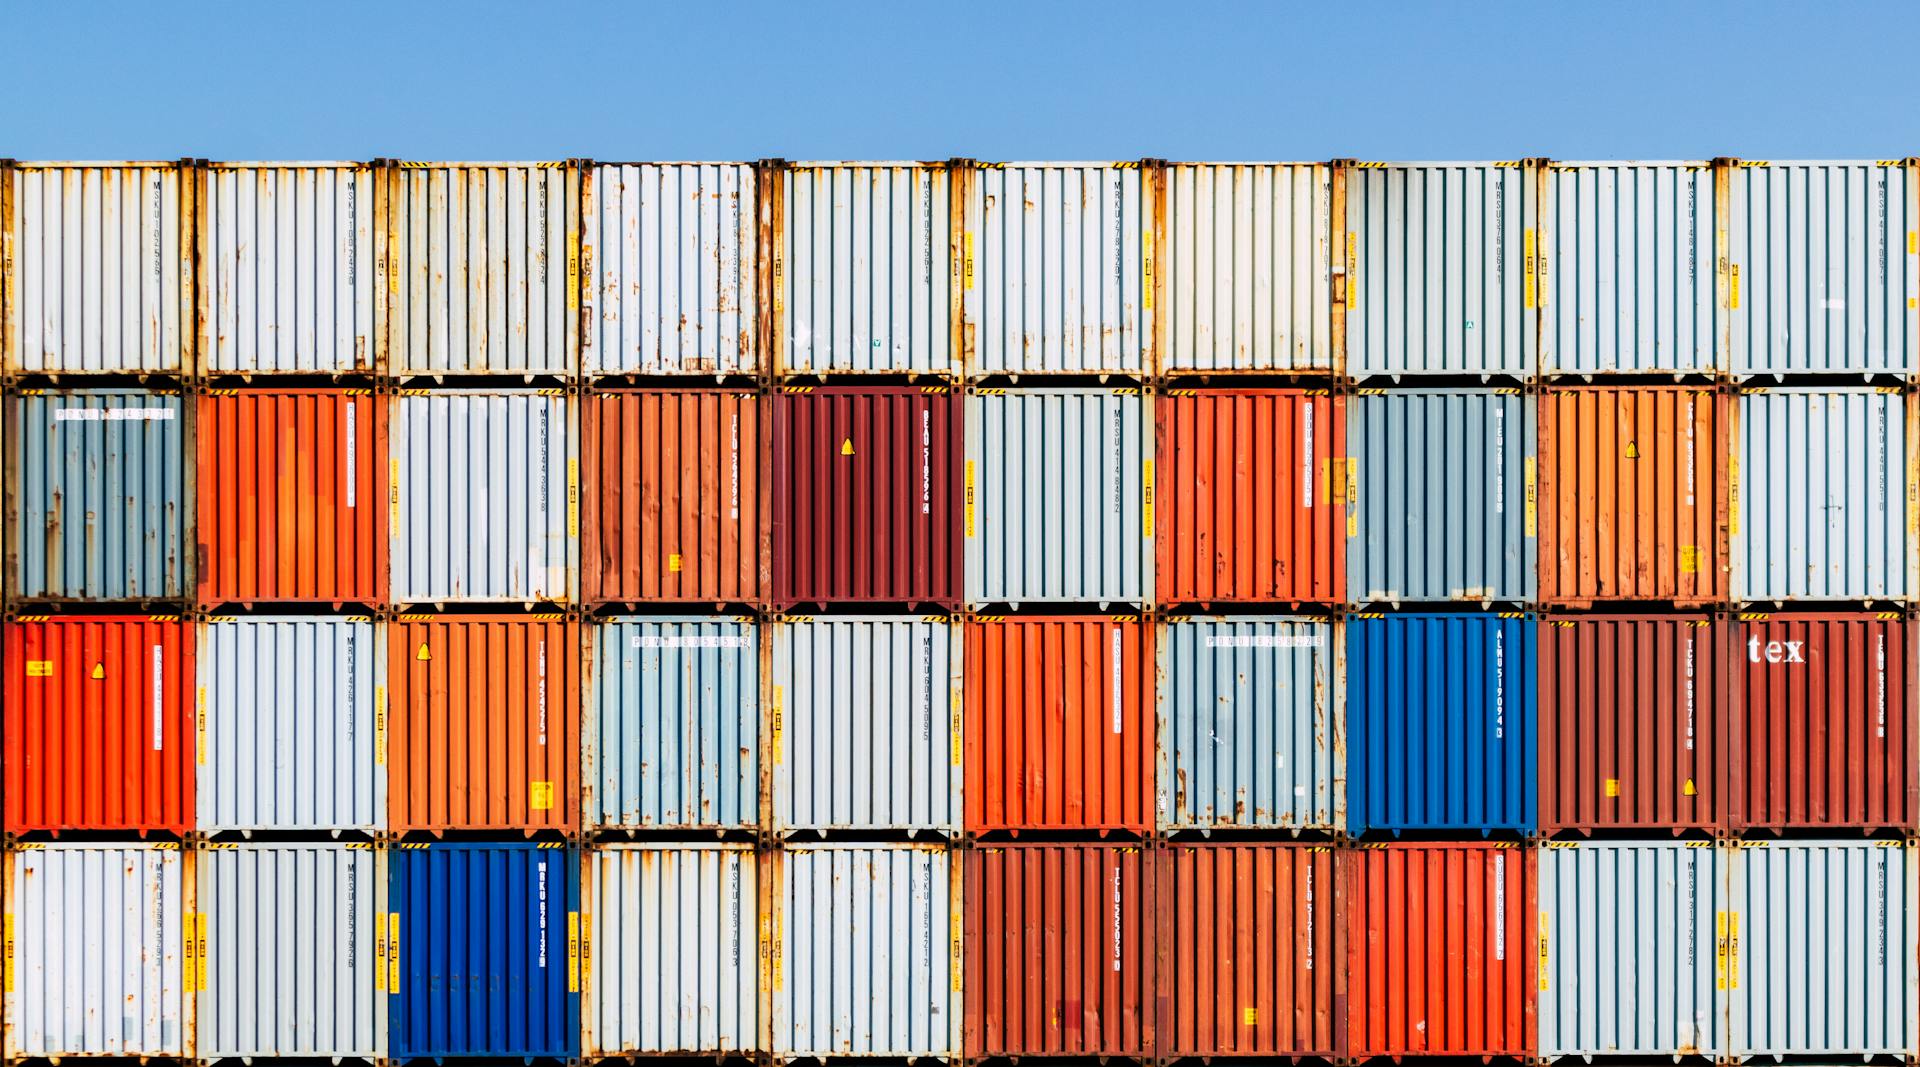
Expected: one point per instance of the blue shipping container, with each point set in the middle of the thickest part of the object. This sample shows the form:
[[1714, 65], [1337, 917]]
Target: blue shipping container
[[1442, 721], [488, 957]]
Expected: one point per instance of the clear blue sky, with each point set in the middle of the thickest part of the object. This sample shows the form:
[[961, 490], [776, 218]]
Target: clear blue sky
[[810, 79]]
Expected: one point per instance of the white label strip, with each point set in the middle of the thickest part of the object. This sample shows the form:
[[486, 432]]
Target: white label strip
[[351, 464], [113, 415], [1500, 905], [159, 698], [1306, 452], [696, 641], [1117, 675], [1266, 641]]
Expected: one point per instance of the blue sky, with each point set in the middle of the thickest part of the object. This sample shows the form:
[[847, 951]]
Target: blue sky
[[276, 79]]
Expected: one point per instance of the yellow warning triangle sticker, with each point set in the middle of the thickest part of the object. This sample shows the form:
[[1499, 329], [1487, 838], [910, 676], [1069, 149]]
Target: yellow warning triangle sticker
[[1633, 450], [846, 447], [99, 670], [1689, 790], [423, 653]]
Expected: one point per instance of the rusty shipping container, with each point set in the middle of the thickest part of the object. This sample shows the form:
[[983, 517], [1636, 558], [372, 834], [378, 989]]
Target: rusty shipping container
[[483, 727], [1246, 941], [99, 722], [1631, 722], [675, 507], [1821, 729], [1252, 506], [292, 497], [1633, 495], [1059, 724], [1060, 951], [866, 495], [1439, 950]]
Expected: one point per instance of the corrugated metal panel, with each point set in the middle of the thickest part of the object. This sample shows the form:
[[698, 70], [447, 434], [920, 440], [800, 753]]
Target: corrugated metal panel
[[97, 495], [673, 736], [1821, 949], [291, 723], [1459, 460], [1626, 269], [671, 949], [485, 497], [867, 712], [483, 950], [1059, 496], [1821, 503], [671, 255], [1060, 950], [1064, 279], [1059, 723], [1823, 267], [94, 951], [485, 723], [1246, 935], [1441, 722], [1439, 950], [292, 966], [865, 274], [98, 259], [287, 268], [1631, 735], [866, 952], [1628, 950], [98, 714], [866, 495], [292, 497], [1252, 723], [1251, 512], [482, 265], [1821, 730], [1440, 262], [1245, 269], [676, 500]]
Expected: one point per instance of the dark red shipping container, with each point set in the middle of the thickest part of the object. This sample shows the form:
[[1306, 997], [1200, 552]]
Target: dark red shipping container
[[866, 495], [1821, 722], [1059, 950], [1630, 722]]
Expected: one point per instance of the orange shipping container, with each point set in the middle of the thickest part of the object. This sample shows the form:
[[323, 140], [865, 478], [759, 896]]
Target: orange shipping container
[[1633, 495], [675, 505], [292, 497], [1059, 723], [483, 723]]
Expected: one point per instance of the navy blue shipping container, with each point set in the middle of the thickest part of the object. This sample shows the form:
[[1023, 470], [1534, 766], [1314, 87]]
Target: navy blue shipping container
[[489, 951], [1442, 721]]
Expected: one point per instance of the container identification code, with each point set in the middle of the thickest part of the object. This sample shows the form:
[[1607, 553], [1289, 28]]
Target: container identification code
[[114, 415], [690, 641], [1267, 641]]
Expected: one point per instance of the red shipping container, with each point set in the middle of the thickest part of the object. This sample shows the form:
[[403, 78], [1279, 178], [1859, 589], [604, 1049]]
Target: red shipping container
[[1059, 950], [1246, 936], [99, 713], [292, 492], [1252, 503], [1630, 721], [866, 495], [676, 502], [1439, 950], [1060, 723], [1820, 727], [484, 728]]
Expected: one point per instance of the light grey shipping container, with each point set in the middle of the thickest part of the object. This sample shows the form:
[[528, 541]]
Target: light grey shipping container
[[1059, 496], [1823, 267], [1626, 269], [290, 724], [670, 254], [1441, 495], [288, 283], [98, 258], [485, 497], [867, 723], [673, 724], [1628, 949], [1440, 269], [290, 961], [1252, 732], [1244, 268], [867, 959], [1059, 268], [1822, 498], [673, 960], [95, 951]]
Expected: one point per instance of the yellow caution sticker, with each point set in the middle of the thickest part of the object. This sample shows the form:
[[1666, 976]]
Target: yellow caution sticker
[[380, 725], [540, 796], [1720, 950], [969, 498], [1733, 496], [1542, 969], [1353, 498], [958, 711], [379, 957], [1733, 285], [1533, 499], [6, 961], [966, 253], [673, 563], [200, 726], [393, 494], [1611, 787], [1633, 450], [1688, 789], [1531, 291], [424, 653], [1733, 950], [1353, 272], [393, 952], [188, 972], [846, 446], [1249, 1016], [200, 946], [1146, 269], [573, 270], [779, 704], [573, 952], [1689, 559], [1146, 499], [573, 498], [39, 668], [99, 670]]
